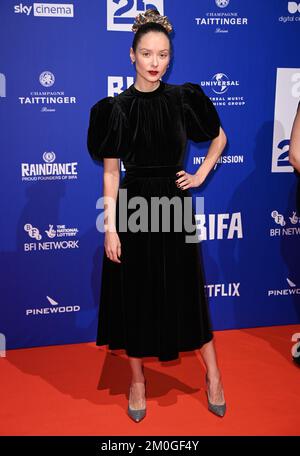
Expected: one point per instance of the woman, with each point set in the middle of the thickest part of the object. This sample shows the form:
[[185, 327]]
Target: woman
[[294, 153], [153, 300]]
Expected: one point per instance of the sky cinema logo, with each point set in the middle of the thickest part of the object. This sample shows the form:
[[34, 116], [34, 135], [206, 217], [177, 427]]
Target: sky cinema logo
[[46, 9]]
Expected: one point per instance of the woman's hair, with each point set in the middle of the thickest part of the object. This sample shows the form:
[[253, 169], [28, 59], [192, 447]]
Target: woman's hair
[[150, 21]]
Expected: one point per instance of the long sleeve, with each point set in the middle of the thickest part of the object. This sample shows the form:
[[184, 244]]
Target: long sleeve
[[202, 121], [107, 131]]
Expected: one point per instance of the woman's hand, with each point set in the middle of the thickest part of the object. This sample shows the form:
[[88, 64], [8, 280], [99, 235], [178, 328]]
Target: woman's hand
[[112, 246], [187, 180]]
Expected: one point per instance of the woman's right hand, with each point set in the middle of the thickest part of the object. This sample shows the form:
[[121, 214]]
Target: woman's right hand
[[112, 246]]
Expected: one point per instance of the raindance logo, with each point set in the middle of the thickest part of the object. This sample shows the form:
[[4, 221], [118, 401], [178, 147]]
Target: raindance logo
[[54, 309], [47, 100], [48, 171], [60, 231], [221, 85], [221, 19], [292, 290], [289, 226], [294, 10]]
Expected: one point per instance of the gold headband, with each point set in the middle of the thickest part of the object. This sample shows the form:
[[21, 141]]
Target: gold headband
[[151, 15]]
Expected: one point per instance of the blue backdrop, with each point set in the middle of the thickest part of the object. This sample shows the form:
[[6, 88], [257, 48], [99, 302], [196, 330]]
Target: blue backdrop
[[57, 60]]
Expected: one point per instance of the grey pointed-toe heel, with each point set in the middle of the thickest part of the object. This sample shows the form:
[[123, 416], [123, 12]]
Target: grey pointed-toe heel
[[217, 409], [136, 414]]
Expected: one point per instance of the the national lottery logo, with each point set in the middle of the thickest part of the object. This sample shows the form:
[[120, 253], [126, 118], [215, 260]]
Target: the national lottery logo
[[222, 3], [221, 85], [47, 100], [286, 225], [47, 78], [120, 16], [49, 170], [2, 85], [54, 237]]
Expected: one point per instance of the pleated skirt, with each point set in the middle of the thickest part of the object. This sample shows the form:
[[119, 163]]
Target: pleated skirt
[[154, 303]]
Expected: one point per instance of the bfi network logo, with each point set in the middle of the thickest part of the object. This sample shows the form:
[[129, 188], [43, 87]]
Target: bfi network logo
[[46, 9]]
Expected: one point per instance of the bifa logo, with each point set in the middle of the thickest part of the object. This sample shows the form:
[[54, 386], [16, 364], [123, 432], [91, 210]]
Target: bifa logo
[[286, 102], [293, 7], [2, 85], [121, 17]]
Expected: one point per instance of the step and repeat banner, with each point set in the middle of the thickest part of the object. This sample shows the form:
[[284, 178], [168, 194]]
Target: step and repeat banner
[[56, 61]]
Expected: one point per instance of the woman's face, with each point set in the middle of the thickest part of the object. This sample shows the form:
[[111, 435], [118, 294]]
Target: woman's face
[[152, 56]]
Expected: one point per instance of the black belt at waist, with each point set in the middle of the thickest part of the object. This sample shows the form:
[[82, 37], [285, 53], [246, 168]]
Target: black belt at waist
[[153, 171]]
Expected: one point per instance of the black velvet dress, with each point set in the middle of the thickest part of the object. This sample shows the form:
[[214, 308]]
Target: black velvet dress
[[153, 303]]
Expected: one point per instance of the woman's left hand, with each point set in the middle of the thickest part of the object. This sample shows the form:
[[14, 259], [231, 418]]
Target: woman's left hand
[[186, 180]]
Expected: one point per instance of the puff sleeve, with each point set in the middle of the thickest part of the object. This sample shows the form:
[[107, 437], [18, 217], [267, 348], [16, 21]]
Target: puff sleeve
[[106, 137], [202, 121]]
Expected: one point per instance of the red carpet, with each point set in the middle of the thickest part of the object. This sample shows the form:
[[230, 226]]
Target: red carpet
[[81, 389]]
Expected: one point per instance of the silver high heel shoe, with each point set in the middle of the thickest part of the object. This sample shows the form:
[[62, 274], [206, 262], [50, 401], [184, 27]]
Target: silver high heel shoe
[[218, 410], [136, 414]]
